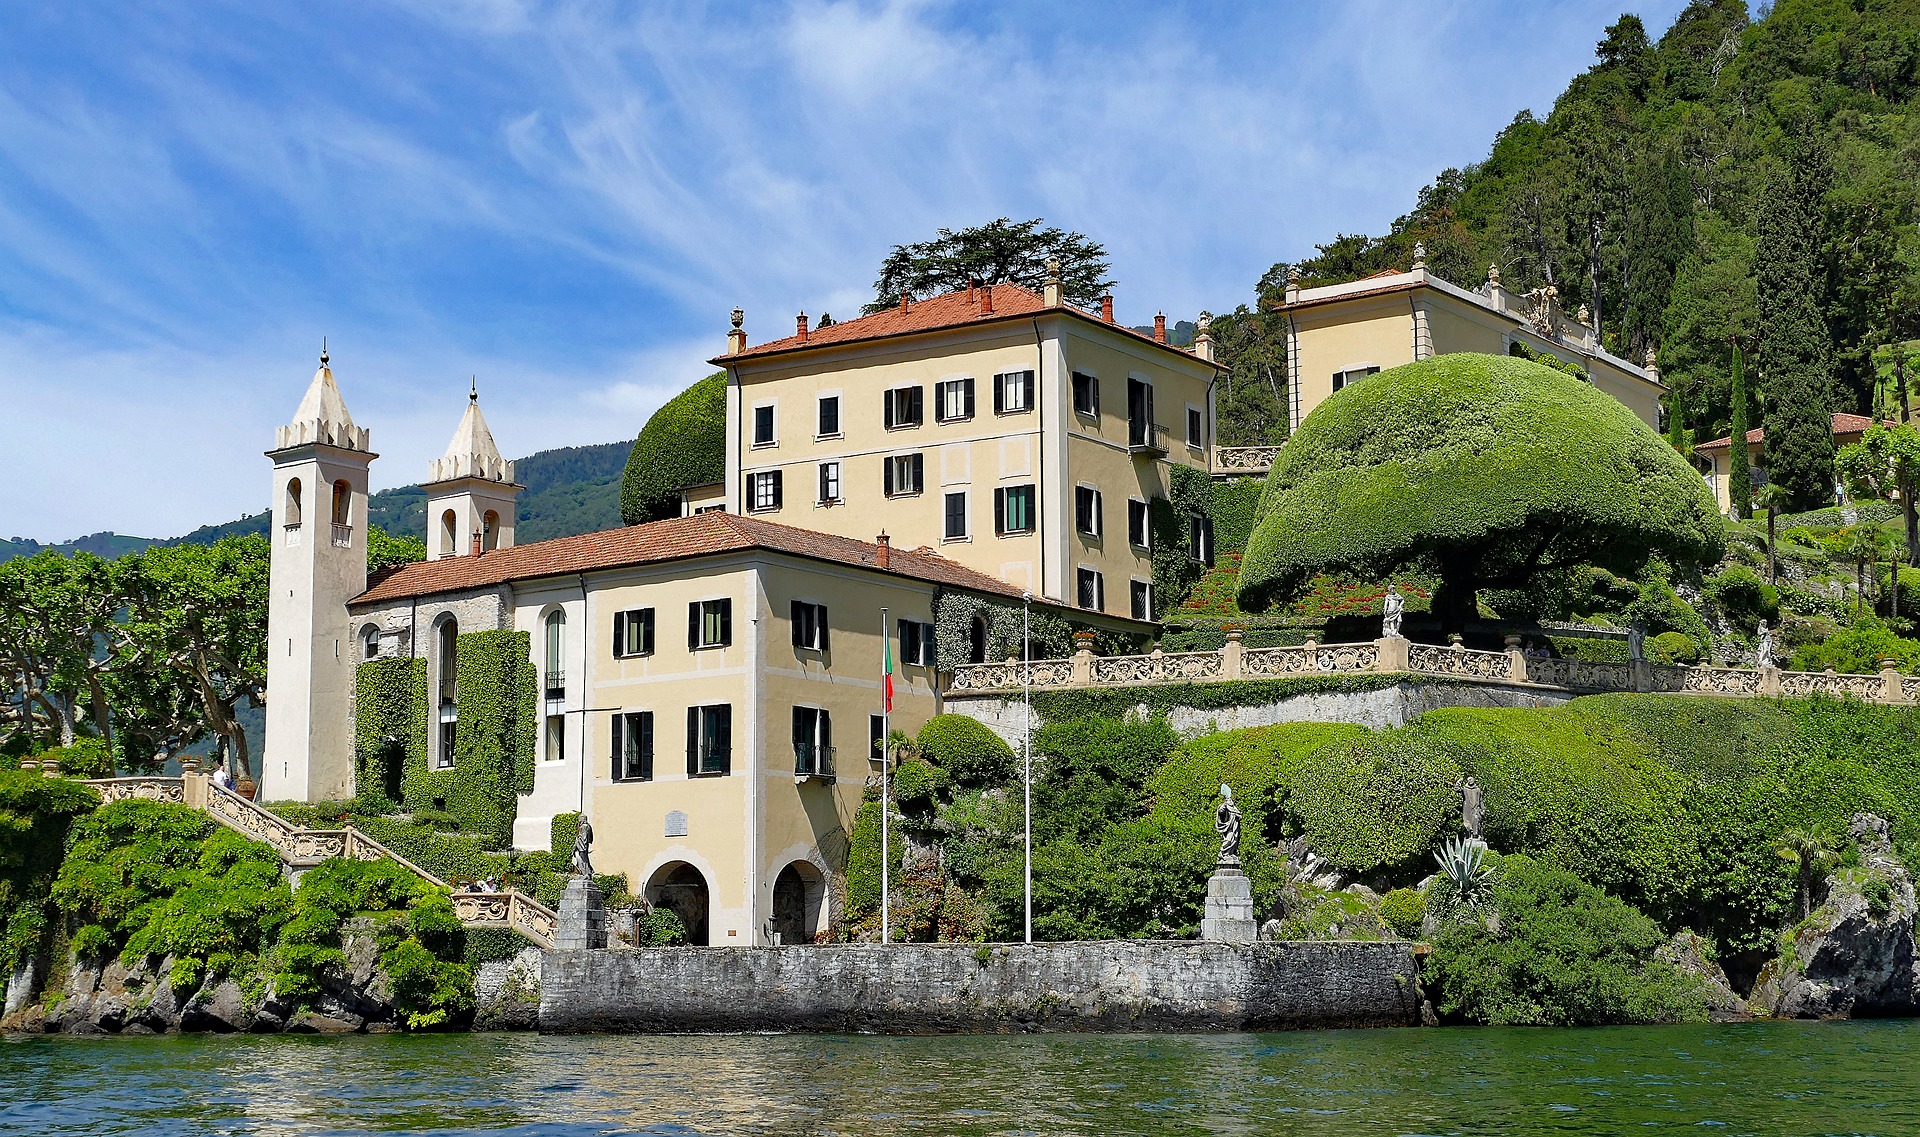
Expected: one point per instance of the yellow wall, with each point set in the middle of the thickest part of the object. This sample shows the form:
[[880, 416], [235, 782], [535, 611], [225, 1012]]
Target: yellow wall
[[1370, 332]]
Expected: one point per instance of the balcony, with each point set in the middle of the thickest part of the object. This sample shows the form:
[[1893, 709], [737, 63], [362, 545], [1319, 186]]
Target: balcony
[[556, 687], [343, 536], [1148, 438], [292, 529], [812, 761]]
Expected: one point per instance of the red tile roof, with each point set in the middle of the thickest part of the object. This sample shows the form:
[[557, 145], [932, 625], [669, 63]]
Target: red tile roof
[[1843, 424], [937, 313], [678, 538]]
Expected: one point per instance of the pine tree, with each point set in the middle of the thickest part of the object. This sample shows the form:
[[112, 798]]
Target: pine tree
[[1795, 349], [1739, 477]]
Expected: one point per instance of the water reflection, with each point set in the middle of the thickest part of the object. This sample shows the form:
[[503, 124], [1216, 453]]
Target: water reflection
[[1833, 1078]]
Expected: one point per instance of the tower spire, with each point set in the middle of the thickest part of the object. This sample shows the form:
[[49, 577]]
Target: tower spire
[[323, 351]]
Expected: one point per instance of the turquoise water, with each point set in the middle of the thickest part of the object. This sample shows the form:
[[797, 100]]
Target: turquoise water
[[1798, 1078]]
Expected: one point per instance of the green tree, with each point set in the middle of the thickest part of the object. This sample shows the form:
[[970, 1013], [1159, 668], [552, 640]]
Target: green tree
[[1711, 306], [1739, 472], [1003, 251], [1811, 853], [1487, 471], [1772, 498], [1885, 464], [1659, 237], [57, 641], [684, 444], [1796, 350], [386, 552]]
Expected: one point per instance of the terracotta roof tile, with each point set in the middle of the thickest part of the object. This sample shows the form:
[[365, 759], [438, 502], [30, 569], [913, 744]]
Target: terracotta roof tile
[[679, 538], [952, 310], [1842, 424]]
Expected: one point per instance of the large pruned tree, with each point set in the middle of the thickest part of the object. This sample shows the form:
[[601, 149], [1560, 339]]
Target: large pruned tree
[[57, 642], [1885, 464], [1487, 471], [1002, 251], [683, 445]]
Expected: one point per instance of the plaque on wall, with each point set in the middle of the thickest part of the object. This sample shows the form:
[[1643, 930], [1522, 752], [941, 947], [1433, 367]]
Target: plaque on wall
[[676, 824]]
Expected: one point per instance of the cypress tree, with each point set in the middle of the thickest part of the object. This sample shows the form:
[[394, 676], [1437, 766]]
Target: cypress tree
[[1739, 478], [1795, 348]]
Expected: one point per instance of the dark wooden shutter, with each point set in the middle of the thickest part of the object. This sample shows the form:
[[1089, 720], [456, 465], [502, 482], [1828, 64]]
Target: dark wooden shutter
[[726, 622], [919, 464], [646, 744], [619, 765], [888, 404], [969, 389], [999, 511], [693, 625], [1026, 386], [723, 737], [886, 475], [820, 623], [619, 634], [800, 732], [1094, 384], [646, 631], [797, 614], [1000, 393], [777, 494], [823, 757], [693, 741], [929, 650], [916, 405]]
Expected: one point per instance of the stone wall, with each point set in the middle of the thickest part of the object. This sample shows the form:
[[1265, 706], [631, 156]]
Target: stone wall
[[1387, 707], [1108, 985]]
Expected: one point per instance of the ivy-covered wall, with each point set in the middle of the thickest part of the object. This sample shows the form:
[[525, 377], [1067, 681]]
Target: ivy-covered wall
[[1052, 633], [389, 724]]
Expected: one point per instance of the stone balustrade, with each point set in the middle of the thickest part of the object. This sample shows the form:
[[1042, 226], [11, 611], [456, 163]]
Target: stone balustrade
[[1396, 655], [1244, 459]]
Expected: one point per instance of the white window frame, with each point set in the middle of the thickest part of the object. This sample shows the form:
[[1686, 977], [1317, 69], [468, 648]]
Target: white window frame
[[1098, 532], [966, 514], [1146, 523], [1099, 588], [772, 407], [1003, 385], [1005, 493], [822, 478], [1132, 584], [839, 415], [625, 716], [897, 462], [1201, 442], [774, 494], [1351, 374], [964, 386]]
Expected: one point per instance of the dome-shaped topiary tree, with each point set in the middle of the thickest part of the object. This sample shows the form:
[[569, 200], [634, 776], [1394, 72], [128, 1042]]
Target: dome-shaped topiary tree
[[684, 444], [1486, 470]]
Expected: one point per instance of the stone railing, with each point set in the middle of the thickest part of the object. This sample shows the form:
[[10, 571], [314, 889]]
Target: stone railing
[[1580, 675], [140, 789], [511, 909], [1013, 674], [1159, 667], [1458, 660], [1244, 459]]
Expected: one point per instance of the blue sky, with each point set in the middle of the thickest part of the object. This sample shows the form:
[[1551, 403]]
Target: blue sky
[[566, 199]]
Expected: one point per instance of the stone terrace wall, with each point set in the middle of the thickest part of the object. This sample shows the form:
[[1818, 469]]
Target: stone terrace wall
[[1107, 985]]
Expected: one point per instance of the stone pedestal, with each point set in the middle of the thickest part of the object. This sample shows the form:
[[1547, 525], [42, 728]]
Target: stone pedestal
[[1229, 918], [583, 917]]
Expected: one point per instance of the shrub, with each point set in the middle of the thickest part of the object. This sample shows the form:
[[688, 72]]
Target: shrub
[[863, 859], [915, 781], [1565, 954], [562, 832], [1858, 650], [662, 927], [36, 814], [1673, 647], [84, 758], [1878, 892], [1742, 596], [1403, 909], [1376, 803], [970, 754], [684, 444]]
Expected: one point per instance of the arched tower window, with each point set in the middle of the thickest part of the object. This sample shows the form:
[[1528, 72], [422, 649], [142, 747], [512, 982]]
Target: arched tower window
[[369, 642], [342, 503], [449, 534], [446, 651], [556, 649], [490, 531], [293, 503]]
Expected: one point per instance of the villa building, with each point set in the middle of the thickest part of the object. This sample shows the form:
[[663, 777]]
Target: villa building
[[1717, 455]]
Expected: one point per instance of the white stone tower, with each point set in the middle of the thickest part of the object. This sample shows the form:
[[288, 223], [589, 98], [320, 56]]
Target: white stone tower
[[470, 491], [319, 535]]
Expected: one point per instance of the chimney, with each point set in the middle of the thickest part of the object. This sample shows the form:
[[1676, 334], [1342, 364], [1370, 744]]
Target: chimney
[[737, 339], [1106, 307], [972, 284], [1051, 291], [1159, 327], [904, 306], [1293, 283], [476, 542], [800, 327], [986, 300], [883, 556], [1203, 337]]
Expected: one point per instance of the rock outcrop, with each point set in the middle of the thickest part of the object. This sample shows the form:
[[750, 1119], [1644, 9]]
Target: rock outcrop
[[1691, 954], [1855, 956]]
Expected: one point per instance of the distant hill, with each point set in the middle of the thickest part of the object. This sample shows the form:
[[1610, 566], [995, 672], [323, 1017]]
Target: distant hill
[[575, 489]]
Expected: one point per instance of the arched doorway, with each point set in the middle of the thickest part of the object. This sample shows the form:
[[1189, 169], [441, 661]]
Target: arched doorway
[[679, 888], [977, 640], [799, 898]]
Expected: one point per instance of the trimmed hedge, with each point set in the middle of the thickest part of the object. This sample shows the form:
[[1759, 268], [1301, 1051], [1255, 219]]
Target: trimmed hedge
[[389, 723], [1116, 702], [562, 832], [1488, 469], [684, 444], [970, 754]]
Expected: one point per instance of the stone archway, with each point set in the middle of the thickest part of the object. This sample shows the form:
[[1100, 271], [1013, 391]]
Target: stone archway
[[799, 903], [977, 640], [682, 890]]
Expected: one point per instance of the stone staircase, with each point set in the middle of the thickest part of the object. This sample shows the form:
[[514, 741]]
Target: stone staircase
[[301, 848]]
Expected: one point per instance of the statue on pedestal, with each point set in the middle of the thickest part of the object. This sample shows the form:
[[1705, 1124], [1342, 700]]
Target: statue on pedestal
[[582, 846], [1637, 641], [1763, 653], [1391, 609], [1473, 806], [1226, 822]]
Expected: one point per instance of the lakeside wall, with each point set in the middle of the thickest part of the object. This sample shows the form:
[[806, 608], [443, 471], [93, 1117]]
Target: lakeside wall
[[1105, 985]]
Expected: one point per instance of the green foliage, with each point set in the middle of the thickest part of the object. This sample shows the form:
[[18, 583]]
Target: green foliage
[[661, 927], [386, 552], [494, 744], [1565, 954], [86, 758], [1490, 470], [1858, 650], [1174, 570], [1739, 472], [915, 782], [389, 724], [863, 860], [1233, 505], [35, 815], [1519, 350], [1404, 909], [1373, 805], [1673, 647], [562, 833], [493, 945], [1003, 251], [684, 444], [1795, 343], [1742, 596], [966, 750]]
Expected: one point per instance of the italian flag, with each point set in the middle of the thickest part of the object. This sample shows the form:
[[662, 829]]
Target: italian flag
[[886, 667]]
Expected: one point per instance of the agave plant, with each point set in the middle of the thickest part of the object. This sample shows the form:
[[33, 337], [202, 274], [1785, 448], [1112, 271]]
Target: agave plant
[[1461, 864]]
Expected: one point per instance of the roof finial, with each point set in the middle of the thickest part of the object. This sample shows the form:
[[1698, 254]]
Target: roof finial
[[473, 392], [323, 351]]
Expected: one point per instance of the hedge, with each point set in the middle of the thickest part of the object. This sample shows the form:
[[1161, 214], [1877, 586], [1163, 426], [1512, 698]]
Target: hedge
[[1114, 702], [1486, 467], [389, 720], [36, 814], [970, 754], [684, 444], [494, 742]]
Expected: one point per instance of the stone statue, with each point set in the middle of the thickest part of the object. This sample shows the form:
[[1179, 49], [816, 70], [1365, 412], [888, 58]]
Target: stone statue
[[1763, 653], [1637, 641], [1391, 609], [582, 846], [1226, 822], [1473, 806]]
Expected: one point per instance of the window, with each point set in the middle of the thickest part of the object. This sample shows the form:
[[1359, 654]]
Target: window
[[1013, 510], [1352, 375], [633, 633], [1196, 428], [1013, 392], [809, 625], [709, 740], [556, 738], [764, 491], [449, 534], [829, 483], [449, 656], [369, 642], [829, 424], [1138, 531], [293, 503], [812, 742], [1086, 510], [1091, 589], [904, 474], [490, 531], [632, 746], [342, 503], [763, 426], [1086, 395], [917, 647], [709, 624], [1142, 600], [876, 737], [1140, 424], [956, 515], [905, 406], [556, 653], [955, 400], [1200, 538]]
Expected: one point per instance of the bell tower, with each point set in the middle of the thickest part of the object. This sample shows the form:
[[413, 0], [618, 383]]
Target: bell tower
[[470, 491], [319, 562]]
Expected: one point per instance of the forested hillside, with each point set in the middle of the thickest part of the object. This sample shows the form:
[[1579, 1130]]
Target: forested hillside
[[1744, 180]]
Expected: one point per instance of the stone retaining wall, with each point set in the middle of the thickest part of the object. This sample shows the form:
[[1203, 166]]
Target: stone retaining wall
[[1107, 985]]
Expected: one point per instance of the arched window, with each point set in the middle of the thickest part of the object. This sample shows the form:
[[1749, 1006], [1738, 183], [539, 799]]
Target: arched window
[[556, 650], [369, 642], [342, 503], [449, 534], [447, 662], [977, 640], [293, 502], [490, 531]]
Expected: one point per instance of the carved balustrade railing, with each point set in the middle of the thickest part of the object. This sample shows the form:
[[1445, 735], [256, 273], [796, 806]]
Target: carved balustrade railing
[[1870, 688], [1736, 681], [1580, 675], [140, 789], [1456, 660], [1244, 459], [1160, 667], [1044, 674]]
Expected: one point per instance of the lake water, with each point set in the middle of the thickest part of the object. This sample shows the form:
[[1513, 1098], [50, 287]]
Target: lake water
[[1799, 1078]]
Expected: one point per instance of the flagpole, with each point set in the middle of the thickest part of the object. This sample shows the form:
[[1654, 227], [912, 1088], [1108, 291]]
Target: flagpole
[[886, 754], [1026, 749]]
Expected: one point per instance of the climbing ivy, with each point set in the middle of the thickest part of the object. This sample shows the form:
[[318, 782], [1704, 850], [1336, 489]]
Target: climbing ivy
[[1051, 633], [35, 814], [493, 745], [1175, 572], [387, 728], [1116, 702]]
